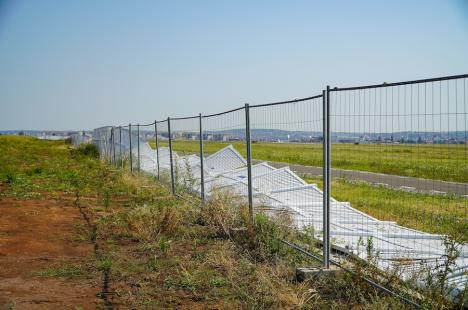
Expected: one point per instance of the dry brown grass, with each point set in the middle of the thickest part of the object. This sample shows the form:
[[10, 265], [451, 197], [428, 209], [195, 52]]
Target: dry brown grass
[[149, 222], [222, 215], [267, 285]]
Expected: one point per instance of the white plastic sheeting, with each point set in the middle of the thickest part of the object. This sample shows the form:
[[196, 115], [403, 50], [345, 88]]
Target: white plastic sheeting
[[80, 138], [53, 138], [394, 246]]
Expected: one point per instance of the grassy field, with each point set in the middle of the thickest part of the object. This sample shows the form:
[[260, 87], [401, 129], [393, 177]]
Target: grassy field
[[430, 213], [142, 247], [30, 167], [440, 162]]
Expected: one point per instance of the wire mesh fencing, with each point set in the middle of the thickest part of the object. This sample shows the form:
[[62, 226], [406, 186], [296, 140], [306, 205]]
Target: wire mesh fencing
[[225, 167], [146, 161], [120, 154], [162, 153], [282, 134], [399, 159], [115, 143], [185, 143], [379, 172]]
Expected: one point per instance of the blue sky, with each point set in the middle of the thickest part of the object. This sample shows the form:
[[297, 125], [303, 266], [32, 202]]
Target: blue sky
[[84, 64]]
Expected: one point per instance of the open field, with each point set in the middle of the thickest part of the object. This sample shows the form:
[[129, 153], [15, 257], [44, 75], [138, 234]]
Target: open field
[[76, 233], [439, 162]]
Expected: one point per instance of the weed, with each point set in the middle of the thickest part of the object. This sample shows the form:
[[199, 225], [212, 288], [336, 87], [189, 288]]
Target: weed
[[10, 178], [168, 283], [106, 198], [63, 270], [88, 149], [187, 281], [222, 216], [164, 245], [218, 282], [153, 263], [148, 222], [104, 264]]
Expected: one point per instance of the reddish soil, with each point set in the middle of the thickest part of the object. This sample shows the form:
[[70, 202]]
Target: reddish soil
[[36, 235]]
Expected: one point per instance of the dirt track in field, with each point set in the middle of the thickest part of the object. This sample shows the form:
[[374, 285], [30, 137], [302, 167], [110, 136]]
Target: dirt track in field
[[36, 235]]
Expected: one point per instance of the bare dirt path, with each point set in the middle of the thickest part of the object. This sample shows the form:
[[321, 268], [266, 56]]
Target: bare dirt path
[[35, 237]]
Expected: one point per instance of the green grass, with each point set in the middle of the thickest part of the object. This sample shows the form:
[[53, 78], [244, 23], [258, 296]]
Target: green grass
[[163, 252], [430, 213], [441, 162], [63, 270], [31, 167]]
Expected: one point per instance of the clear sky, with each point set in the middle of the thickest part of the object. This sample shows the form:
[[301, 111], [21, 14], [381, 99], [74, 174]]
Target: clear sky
[[84, 64]]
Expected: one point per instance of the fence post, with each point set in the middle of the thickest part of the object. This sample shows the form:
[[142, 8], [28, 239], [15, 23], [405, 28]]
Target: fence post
[[109, 159], [326, 177], [130, 143], [113, 146], [157, 147], [120, 147], [138, 146], [170, 156], [249, 160], [106, 147], [202, 172]]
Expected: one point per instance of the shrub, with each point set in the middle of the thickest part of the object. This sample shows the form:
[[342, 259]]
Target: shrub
[[88, 149]]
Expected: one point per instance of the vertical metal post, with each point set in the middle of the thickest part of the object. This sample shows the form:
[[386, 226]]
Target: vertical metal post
[[249, 160], [157, 147], [326, 177], [130, 143], [110, 145], [120, 147], [138, 146], [202, 172], [113, 145], [170, 156], [106, 147]]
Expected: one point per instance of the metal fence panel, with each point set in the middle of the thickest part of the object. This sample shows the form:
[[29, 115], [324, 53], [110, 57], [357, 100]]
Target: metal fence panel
[[225, 148], [283, 134], [146, 159], [185, 135], [400, 170], [162, 154]]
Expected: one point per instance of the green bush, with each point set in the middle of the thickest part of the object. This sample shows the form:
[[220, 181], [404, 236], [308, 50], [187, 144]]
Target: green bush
[[88, 149]]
